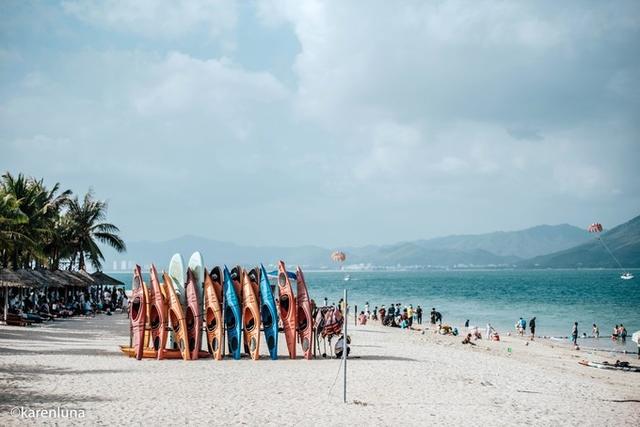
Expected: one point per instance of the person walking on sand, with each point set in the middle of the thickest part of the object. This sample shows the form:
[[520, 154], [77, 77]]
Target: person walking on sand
[[595, 331], [574, 335], [532, 327]]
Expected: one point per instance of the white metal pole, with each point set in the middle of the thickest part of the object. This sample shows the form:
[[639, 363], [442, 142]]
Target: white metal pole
[[344, 346]]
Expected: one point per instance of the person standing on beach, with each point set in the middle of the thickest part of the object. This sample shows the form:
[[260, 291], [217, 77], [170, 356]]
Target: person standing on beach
[[419, 315], [623, 333], [574, 334], [466, 324], [410, 315], [433, 315], [532, 327], [595, 331]]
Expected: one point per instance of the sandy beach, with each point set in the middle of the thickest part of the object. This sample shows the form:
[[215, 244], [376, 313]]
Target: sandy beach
[[394, 377]]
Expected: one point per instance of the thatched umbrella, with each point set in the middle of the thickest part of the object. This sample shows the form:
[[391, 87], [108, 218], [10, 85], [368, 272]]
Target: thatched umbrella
[[10, 279], [106, 280]]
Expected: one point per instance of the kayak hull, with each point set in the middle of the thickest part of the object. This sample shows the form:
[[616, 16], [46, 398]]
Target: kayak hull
[[232, 315], [158, 314], [304, 316], [176, 318], [137, 313], [287, 309], [268, 314], [251, 313], [193, 315], [213, 317]]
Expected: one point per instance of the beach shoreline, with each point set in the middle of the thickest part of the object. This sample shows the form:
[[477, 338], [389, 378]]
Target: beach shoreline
[[394, 376]]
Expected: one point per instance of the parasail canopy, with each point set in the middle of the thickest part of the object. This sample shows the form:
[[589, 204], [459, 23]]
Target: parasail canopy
[[338, 256], [596, 227]]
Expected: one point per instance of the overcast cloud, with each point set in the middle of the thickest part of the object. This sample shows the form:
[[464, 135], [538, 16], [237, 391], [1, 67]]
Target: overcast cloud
[[330, 123]]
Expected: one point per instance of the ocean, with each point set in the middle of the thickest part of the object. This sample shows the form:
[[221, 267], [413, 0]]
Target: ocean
[[557, 298]]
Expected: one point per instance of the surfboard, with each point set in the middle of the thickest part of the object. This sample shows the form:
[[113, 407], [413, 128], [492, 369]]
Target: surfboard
[[232, 315], [268, 314], [196, 265], [287, 308], [176, 272], [251, 312], [304, 316]]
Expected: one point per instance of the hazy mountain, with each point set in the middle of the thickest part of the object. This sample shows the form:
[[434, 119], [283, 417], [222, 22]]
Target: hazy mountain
[[539, 240], [498, 248], [623, 241]]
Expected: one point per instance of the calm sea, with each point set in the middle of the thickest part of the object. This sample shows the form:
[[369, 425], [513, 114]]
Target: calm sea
[[556, 297]]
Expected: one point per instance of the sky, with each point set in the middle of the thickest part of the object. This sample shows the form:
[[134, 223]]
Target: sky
[[327, 123]]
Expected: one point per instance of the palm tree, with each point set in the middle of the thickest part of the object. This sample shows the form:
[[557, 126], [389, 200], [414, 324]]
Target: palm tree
[[86, 230], [10, 218], [41, 209]]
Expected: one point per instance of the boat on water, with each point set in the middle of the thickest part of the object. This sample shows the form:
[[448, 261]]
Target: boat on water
[[597, 228], [347, 278]]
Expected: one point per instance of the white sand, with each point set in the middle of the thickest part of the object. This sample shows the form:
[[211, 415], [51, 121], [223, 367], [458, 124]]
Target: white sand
[[394, 377]]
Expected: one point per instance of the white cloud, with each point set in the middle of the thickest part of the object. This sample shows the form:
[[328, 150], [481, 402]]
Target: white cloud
[[163, 19], [181, 83]]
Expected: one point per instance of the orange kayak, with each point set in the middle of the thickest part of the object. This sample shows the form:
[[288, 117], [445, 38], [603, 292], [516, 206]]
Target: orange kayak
[[176, 317], [147, 310], [137, 314], [193, 315], [251, 313], [159, 314], [287, 308], [305, 319], [150, 353], [213, 312]]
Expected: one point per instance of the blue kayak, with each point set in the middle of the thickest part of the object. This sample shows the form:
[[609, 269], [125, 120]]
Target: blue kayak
[[232, 315], [268, 314]]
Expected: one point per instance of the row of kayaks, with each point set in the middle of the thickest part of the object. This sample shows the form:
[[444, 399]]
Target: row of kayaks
[[185, 309]]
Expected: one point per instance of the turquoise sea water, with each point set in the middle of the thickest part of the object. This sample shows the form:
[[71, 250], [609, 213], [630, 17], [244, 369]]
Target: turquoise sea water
[[556, 297]]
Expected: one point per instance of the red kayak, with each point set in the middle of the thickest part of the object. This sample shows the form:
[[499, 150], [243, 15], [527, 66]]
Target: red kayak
[[287, 309], [137, 313], [305, 319], [158, 315], [193, 315]]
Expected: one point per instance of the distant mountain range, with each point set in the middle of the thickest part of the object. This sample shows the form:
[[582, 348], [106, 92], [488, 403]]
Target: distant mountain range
[[543, 246], [623, 241]]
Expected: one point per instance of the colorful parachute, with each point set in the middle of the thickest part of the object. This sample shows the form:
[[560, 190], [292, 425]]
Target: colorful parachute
[[338, 256], [595, 228]]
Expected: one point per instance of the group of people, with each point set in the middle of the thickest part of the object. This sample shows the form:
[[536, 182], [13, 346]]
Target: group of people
[[395, 315], [521, 327], [40, 306]]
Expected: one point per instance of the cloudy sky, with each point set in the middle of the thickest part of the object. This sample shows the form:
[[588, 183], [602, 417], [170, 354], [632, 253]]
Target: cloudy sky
[[339, 123]]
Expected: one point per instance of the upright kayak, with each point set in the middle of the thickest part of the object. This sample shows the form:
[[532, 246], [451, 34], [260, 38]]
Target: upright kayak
[[232, 315], [288, 308], [137, 314], [193, 315], [196, 264], [159, 314], [268, 314], [176, 272], [251, 312], [305, 318], [176, 316], [213, 312]]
